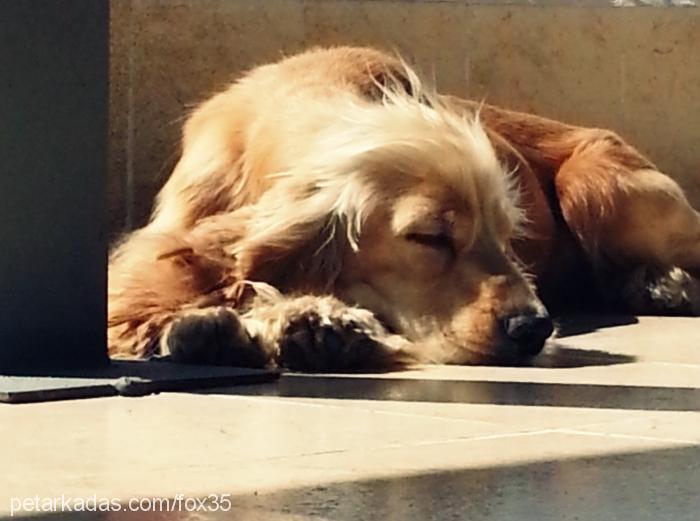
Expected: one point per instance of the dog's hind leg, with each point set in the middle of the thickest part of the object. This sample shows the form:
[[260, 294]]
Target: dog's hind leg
[[630, 217]]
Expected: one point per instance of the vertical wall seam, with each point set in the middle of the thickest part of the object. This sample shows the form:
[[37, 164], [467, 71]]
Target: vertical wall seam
[[129, 182]]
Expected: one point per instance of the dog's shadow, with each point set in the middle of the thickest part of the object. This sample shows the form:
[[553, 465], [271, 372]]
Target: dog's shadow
[[563, 357], [572, 325], [557, 356]]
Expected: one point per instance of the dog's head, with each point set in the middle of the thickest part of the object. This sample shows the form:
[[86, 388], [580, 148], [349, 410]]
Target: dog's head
[[404, 209]]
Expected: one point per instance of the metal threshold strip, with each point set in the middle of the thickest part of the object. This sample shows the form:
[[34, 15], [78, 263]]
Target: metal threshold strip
[[126, 378]]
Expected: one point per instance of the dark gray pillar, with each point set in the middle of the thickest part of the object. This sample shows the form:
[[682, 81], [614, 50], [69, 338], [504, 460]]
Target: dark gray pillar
[[53, 131]]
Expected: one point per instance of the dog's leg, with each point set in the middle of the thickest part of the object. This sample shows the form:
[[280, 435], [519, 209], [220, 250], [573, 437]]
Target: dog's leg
[[322, 334], [155, 275], [629, 216], [649, 290], [170, 296], [213, 336], [307, 333], [152, 278]]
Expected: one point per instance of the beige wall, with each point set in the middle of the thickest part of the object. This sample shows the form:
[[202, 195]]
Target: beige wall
[[634, 69]]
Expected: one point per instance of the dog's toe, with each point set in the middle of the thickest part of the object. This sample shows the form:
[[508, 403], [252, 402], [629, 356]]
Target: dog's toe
[[659, 292], [215, 337], [341, 343]]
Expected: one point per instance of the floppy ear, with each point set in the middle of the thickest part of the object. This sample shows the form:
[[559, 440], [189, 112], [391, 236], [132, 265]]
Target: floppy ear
[[297, 236]]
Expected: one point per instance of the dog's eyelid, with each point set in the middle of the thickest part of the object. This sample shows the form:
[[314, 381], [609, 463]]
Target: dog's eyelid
[[428, 224], [439, 240]]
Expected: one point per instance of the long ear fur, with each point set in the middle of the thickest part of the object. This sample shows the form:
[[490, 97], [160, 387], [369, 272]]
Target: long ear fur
[[303, 226], [299, 233]]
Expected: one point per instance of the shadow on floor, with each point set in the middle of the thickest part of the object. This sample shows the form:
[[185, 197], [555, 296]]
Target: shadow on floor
[[559, 357], [653, 485], [476, 392], [571, 325]]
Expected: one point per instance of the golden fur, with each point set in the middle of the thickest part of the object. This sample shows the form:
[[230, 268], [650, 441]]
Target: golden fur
[[330, 212]]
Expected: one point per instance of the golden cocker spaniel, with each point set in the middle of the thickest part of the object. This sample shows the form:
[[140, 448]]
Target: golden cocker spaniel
[[331, 213]]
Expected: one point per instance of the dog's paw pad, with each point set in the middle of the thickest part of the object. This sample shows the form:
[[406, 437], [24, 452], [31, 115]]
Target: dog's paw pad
[[215, 337], [317, 342]]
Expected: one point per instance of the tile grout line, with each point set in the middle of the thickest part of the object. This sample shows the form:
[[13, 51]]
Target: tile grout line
[[283, 400], [626, 436], [680, 364], [484, 438], [564, 430], [627, 418], [414, 444]]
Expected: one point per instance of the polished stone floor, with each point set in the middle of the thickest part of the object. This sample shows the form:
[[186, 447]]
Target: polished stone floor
[[606, 426]]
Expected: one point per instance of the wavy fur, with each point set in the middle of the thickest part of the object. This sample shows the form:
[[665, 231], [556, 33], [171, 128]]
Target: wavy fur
[[342, 215]]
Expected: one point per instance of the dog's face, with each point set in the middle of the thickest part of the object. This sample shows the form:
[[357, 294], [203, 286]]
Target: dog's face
[[414, 222], [436, 266]]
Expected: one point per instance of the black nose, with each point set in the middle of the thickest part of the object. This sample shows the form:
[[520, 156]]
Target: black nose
[[529, 331]]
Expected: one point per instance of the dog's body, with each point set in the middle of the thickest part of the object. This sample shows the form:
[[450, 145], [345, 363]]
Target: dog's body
[[329, 213]]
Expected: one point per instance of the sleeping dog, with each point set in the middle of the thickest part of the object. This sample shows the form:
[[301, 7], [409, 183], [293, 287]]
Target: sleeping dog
[[330, 212]]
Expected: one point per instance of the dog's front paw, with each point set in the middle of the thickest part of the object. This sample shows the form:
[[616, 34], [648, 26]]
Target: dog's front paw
[[342, 340], [213, 336]]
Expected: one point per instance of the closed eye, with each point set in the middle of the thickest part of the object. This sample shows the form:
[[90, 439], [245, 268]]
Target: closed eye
[[439, 241]]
